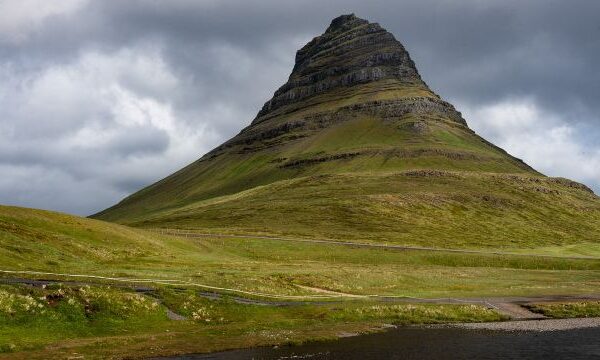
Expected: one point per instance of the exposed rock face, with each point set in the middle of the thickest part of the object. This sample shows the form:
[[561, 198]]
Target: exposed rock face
[[414, 105], [351, 52], [389, 110]]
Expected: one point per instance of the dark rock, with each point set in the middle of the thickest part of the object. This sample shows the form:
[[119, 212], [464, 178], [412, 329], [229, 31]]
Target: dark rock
[[352, 51]]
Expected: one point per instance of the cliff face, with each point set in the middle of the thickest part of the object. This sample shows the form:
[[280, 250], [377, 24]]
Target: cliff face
[[356, 145], [351, 51]]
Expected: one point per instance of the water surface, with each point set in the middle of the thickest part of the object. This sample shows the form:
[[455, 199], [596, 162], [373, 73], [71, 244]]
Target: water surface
[[444, 343]]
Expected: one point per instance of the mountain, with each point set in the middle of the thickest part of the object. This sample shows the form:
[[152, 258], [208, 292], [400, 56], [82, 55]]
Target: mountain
[[356, 146]]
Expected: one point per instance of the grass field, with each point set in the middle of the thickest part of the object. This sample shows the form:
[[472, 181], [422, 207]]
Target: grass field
[[45, 241], [101, 322], [105, 322]]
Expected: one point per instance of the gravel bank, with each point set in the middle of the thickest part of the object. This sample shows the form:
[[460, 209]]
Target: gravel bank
[[535, 325]]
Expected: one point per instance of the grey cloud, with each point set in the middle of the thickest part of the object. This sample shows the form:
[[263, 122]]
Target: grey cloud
[[137, 141]]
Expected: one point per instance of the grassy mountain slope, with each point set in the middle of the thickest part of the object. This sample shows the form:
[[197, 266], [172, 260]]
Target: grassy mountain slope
[[356, 146], [42, 240], [415, 207], [365, 144]]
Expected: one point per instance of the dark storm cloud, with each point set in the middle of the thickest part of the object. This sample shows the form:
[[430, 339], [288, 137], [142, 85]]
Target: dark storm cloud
[[116, 94]]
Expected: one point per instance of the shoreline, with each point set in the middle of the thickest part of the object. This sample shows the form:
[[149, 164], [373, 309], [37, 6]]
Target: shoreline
[[500, 327], [535, 325]]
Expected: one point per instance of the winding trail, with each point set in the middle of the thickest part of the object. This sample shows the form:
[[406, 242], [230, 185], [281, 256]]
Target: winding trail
[[167, 282], [192, 234]]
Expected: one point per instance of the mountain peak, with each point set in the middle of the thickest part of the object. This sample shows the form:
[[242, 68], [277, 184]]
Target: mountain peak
[[345, 22], [352, 51]]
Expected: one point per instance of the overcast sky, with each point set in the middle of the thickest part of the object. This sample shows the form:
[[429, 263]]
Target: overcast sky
[[100, 98]]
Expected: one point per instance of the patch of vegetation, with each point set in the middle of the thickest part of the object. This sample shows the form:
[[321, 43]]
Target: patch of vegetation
[[568, 310], [406, 314], [204, 310], [472, 211], [31, 318]]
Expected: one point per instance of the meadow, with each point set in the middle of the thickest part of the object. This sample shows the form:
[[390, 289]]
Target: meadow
[[341, 287]]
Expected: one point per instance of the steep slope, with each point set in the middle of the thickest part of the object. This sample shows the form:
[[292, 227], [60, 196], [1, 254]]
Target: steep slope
[[356, 145]]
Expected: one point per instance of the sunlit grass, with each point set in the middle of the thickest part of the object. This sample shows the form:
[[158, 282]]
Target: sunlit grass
[[49, 242], [568, 310]]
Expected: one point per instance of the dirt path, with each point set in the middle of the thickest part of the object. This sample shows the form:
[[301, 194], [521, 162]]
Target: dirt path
[[516, 311], [167, 282], [189, 234], [330, 292]]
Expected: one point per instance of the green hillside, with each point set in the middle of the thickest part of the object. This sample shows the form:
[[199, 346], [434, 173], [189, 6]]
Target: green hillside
[[355, 146], [44, 241], [362, 144], [416, 207], [96, 312]]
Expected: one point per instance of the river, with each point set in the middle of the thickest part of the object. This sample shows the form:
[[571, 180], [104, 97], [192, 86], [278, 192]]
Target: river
[[434, 343]]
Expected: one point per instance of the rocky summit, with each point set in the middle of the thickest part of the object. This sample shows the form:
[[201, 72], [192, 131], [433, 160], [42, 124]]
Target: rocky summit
[[354, 67], [355, 146], [352, 51]]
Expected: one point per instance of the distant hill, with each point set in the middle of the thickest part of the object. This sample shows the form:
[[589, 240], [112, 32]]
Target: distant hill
[[356, 146]]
